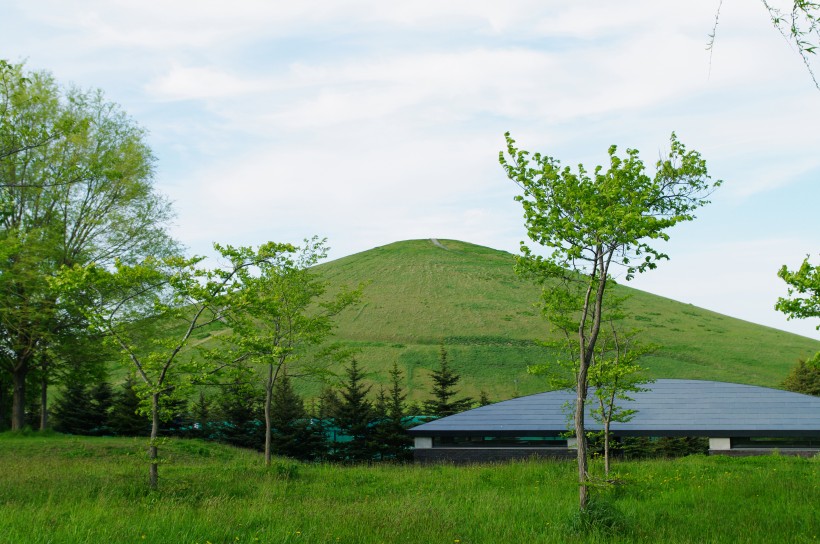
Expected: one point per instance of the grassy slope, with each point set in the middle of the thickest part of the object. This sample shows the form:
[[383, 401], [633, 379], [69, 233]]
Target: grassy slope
[[88, 490], [469, 298]]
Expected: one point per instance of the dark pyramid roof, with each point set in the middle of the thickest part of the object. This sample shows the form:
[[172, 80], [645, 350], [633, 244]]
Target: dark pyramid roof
[[667, 408]]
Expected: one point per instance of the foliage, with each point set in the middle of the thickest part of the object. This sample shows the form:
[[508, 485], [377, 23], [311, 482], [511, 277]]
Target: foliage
[[240, 416], [390, 429], [589, 222], [76, 188], [354, 415], [800, 26], [294, 433], [280, 313], [444, 391], [804, 377], [125, 419], [803, 299], [174, 294]]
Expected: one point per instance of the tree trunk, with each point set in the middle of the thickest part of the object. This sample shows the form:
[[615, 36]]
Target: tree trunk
[[606, 447], [153, 460], [581, 437], [268, 401], [18, 402], [44, 399]]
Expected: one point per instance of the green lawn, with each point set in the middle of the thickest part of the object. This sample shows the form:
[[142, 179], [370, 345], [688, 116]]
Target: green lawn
[[58, 489]]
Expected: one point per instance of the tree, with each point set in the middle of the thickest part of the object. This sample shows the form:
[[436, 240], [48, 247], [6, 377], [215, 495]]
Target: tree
[[240, 414], [150, 311], [591, 221], [294, 434], [804, 377], [283, 312], [390, 432], [76, 187], [125, 419], [803, 300], [614, 374], [354, 415], [801, 26], [445, 379]]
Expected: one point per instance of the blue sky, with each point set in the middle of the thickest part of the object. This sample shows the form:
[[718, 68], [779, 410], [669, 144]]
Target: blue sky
[[370, 122]]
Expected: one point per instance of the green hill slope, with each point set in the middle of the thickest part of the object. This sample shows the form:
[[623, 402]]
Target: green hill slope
[[423, 294]]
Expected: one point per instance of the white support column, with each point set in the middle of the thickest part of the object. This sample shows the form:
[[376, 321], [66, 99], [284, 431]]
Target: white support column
[[423, 442], [720, 444]]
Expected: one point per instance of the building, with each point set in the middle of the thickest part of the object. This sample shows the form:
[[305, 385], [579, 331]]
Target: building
[[737, 419]]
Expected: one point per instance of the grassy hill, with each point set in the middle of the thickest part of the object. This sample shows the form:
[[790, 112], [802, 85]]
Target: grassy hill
[[422, 294]]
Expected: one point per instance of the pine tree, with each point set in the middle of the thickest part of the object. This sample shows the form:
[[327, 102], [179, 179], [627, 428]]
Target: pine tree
[[72, 411], [124, 419], [201, 415], [101, 399], [240, 411], [444, 402], [390, 433], [353, 418], [294, 433]]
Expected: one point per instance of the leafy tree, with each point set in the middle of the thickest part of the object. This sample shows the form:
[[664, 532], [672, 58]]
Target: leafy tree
[[614, 374], [590, 221], [445, 380], [281, 313], [804, 377], [76, 187], [150, 311], [803, 300], [354, 415]]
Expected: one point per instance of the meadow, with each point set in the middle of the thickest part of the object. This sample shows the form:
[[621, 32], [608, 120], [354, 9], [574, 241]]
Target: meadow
[[63, 489]]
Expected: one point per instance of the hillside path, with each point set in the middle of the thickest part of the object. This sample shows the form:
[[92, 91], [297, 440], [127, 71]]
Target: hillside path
[[437, 243]]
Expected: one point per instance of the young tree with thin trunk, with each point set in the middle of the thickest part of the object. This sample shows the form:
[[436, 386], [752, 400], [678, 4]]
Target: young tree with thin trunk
[[615, 374], [281, 313], [150, 311], [590, 222]]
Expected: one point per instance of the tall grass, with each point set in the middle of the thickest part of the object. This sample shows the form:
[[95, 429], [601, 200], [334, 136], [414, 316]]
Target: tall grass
[[73, 490]]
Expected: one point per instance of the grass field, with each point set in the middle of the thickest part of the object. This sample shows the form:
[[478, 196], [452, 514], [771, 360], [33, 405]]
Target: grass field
[[60, 489]]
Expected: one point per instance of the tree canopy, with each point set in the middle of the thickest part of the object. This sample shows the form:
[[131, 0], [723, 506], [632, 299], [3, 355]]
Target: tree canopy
[[76, 187]]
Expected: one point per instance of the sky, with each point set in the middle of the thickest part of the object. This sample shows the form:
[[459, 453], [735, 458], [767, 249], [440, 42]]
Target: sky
[[369, 122]]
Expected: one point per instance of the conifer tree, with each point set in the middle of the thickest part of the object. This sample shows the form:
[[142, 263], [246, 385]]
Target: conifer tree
[[241, 415], [72, 411], [101, 399], [294, 433], [125, 419], [391, 436], [445, 380], [353, 417]]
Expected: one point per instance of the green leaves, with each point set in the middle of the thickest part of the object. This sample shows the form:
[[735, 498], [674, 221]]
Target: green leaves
[[803, 300]]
